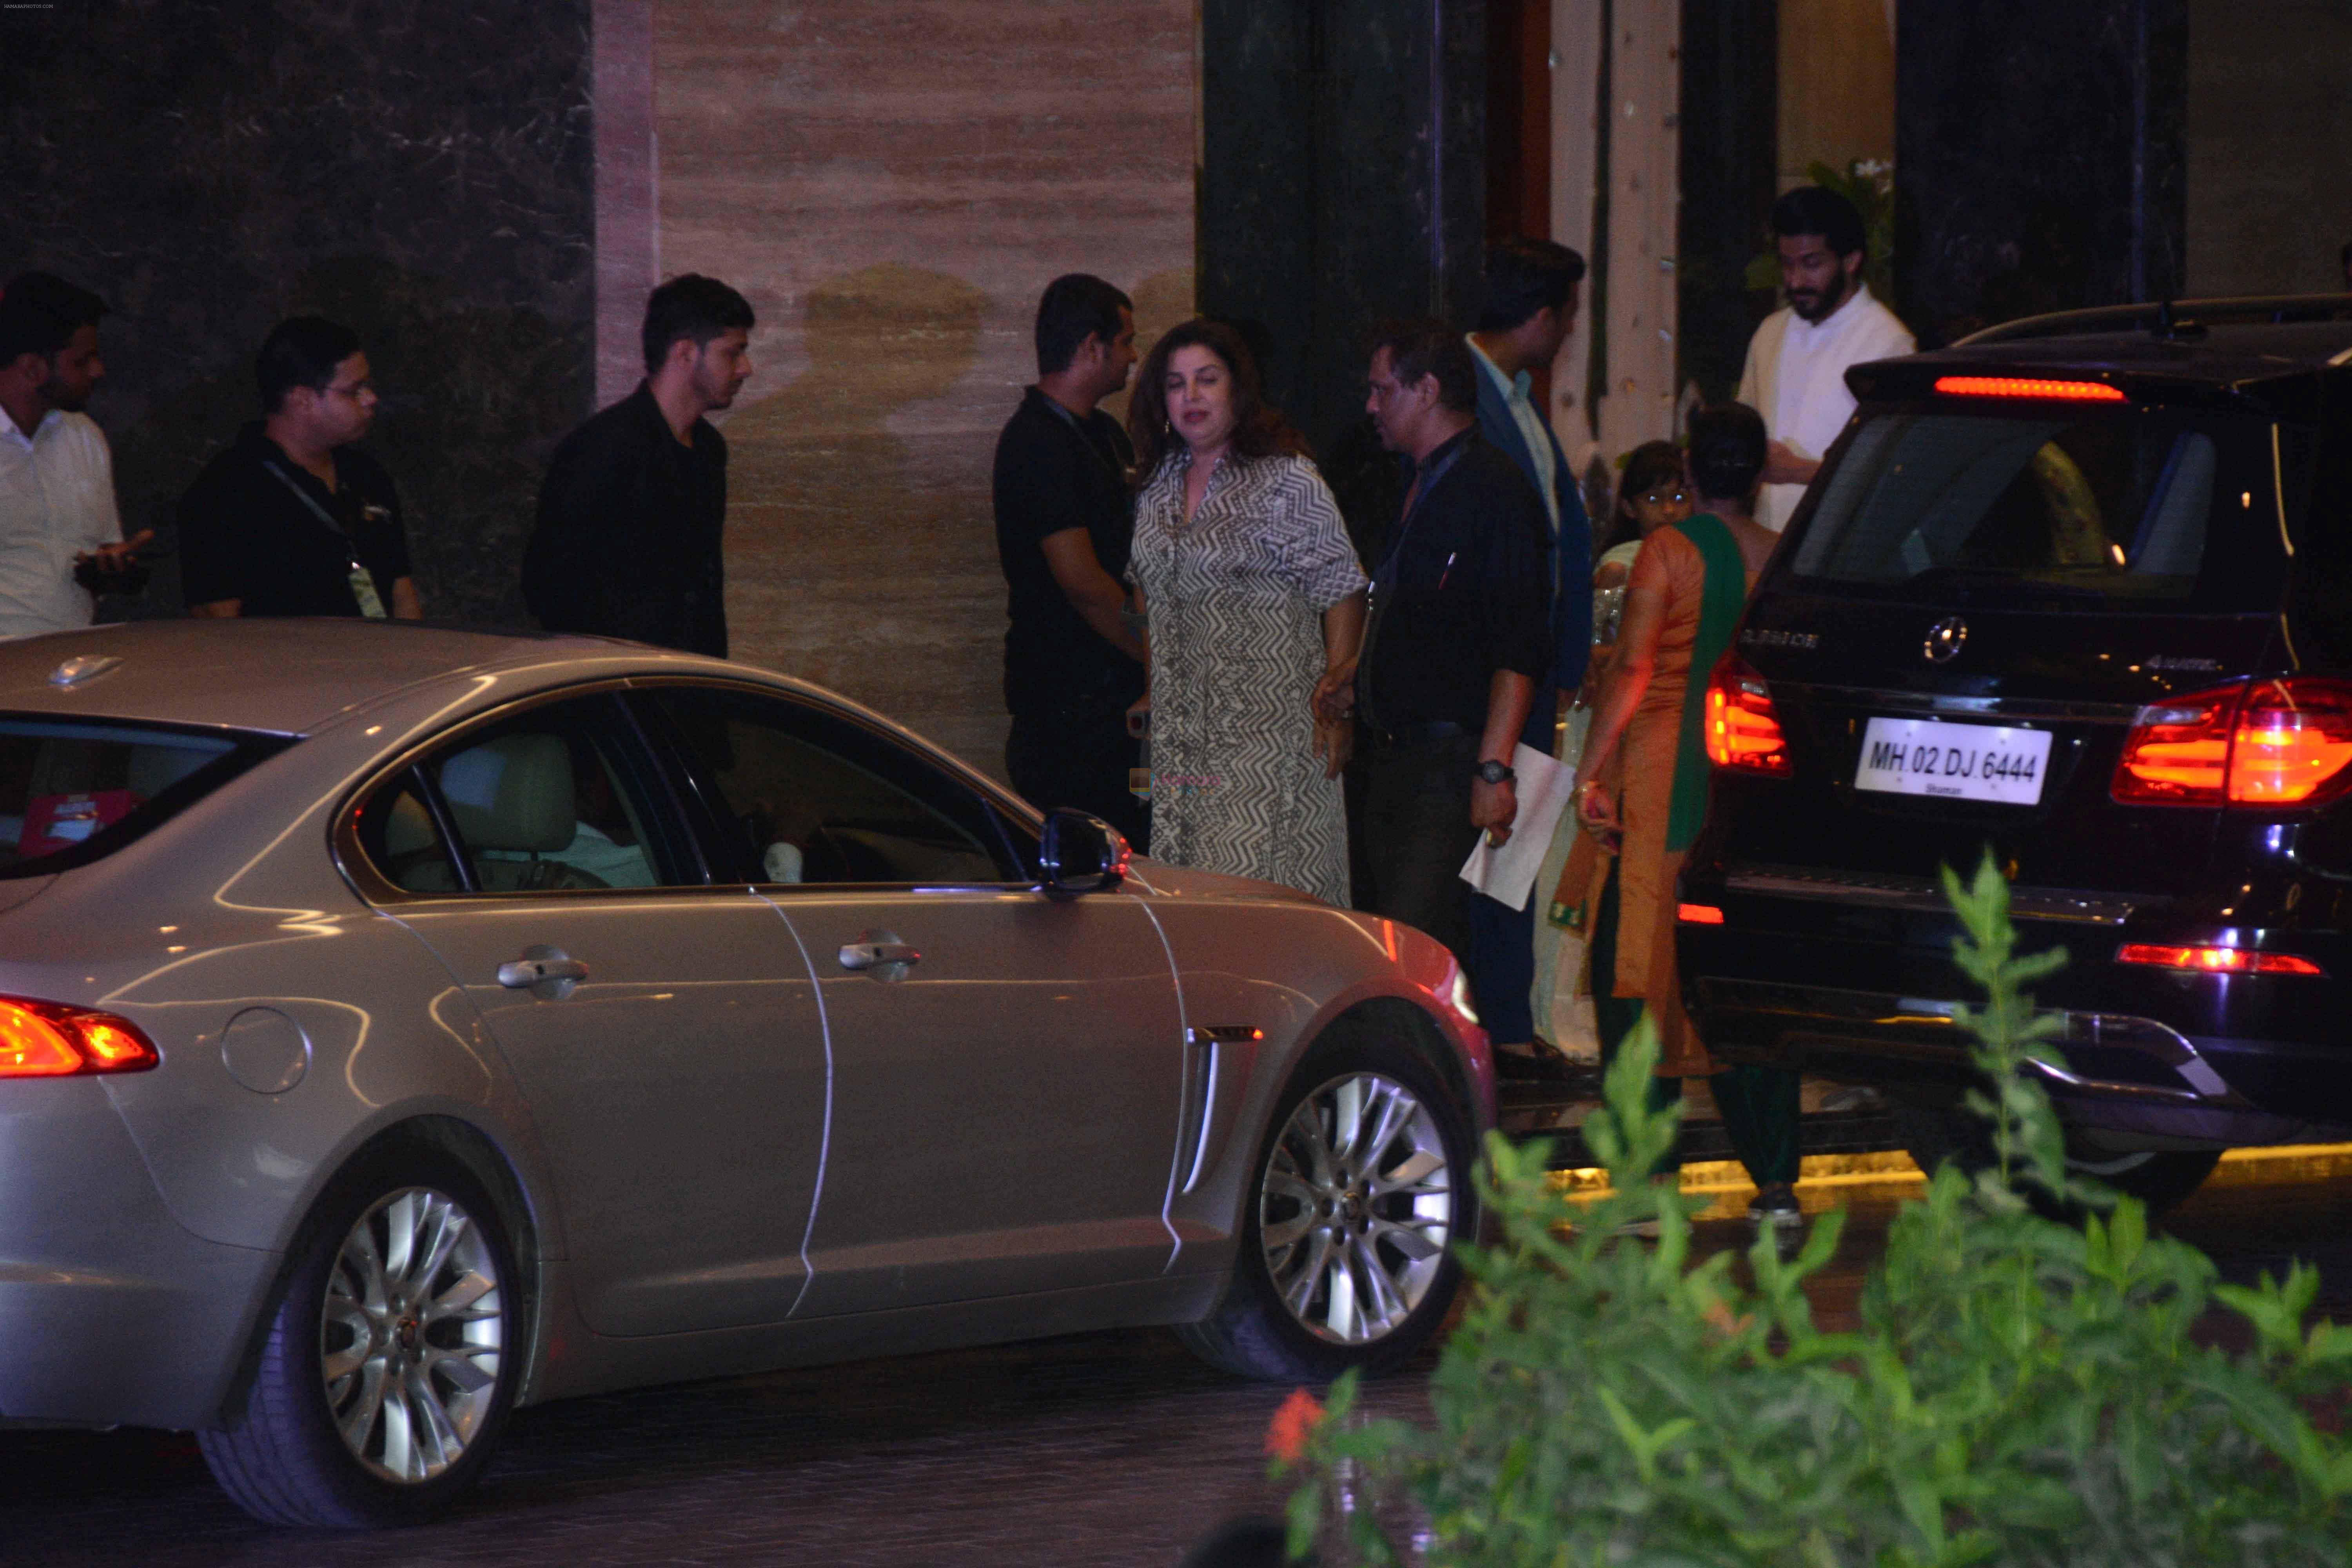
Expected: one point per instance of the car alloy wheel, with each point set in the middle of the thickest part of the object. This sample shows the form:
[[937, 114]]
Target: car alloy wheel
[[1356, 1208], [411, 1332]]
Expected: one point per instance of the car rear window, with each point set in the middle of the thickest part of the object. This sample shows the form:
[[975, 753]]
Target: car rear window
[[73, 792], [2126, 509]]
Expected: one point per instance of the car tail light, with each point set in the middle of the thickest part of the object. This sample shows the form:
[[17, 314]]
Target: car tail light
[[1698, 914], [2215, 960], [1743, 733], [2023, 386], [46, 1039], [2277, 743], [2293, 743], [2178, 752]]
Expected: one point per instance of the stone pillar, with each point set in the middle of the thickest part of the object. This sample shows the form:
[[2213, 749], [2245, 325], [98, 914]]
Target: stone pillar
[[1644, 204], [2040, 157], [1576, 43], [1342, 183]]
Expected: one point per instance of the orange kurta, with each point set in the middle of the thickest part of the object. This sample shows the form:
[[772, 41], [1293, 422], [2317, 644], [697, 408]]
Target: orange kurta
[[1640, 778]]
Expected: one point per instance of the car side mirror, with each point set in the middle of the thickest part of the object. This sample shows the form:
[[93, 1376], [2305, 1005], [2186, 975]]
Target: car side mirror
[[1080, 855]]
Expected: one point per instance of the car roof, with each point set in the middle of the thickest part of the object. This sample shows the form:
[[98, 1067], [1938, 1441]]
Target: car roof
[[279, 677], [2231, 346]]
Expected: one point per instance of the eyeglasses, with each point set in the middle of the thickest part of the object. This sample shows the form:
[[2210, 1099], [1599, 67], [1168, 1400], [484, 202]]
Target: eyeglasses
[[355, 391], [1660, 498]]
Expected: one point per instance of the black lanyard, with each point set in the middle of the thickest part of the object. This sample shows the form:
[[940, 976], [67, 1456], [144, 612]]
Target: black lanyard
[[1117, 470], [311, 501]]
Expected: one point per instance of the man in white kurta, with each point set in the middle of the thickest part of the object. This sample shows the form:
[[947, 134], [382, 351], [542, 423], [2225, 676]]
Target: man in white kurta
[[1797, 361], [57, 478]]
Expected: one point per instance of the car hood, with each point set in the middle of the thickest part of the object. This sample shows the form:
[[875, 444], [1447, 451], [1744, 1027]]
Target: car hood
[[1184, 882]]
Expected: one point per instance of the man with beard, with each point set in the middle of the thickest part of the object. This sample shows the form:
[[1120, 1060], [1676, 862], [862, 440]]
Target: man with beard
[[1797, 361], [627, 542], [60, 531]]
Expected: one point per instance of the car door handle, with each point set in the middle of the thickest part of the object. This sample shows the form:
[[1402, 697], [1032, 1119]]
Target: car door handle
[[522, 973], [878, 954]]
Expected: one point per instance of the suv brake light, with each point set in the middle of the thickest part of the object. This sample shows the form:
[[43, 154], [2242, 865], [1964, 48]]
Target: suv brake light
[[1743, 733], [48, 1039], [2023, 386], [2271, 742]]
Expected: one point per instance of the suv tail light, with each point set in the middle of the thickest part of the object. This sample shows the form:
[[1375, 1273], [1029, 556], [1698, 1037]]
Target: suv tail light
[[1743, 733], [48, 1039], [2269, 742]]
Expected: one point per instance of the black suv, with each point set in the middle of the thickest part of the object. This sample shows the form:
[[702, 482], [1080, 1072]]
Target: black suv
[[2078, 589]]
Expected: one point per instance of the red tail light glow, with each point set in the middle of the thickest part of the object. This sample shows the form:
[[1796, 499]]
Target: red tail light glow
[[1743, 733], [2273, 742], [2215, 960], [46, 1039], [2020, 387], [1698, 914]]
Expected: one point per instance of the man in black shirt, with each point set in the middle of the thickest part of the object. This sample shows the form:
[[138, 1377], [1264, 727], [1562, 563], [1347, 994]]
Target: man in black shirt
[[292, 519], [627, 540], [1073, 665], [1458, 635]]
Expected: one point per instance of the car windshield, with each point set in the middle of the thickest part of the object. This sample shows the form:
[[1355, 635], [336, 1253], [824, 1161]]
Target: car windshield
[[2119, 509], [73, 792]]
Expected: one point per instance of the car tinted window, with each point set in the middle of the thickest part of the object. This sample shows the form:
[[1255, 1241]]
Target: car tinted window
[[2124, 509], [73, 792], [808, 797], [402, 840], [559, 797]]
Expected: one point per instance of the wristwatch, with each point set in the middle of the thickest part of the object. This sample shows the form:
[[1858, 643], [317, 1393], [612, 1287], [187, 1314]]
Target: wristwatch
[[1494, 773]]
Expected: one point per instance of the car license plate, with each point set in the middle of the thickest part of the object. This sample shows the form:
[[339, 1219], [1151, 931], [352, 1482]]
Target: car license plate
[[1954, 762]]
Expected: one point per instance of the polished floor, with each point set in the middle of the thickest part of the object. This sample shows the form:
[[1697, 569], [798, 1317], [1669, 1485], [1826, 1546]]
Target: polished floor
[[1112, 1448]]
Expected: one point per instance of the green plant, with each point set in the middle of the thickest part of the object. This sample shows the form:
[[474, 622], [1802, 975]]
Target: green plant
[[2019, 1390], [1869, 185]]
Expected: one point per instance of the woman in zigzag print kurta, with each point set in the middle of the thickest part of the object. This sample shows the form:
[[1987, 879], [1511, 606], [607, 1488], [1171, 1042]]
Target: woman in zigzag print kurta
[[1251, 590]]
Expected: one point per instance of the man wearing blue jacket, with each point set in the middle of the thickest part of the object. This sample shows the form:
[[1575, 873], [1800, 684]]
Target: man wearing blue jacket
[[1530, 308]]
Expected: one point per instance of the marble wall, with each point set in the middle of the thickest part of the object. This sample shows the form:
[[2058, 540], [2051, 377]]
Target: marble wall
[[892, 183], [420, 168], [2039, 160]]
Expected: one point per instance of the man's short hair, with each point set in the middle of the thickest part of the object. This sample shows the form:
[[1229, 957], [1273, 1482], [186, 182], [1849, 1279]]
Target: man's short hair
[[1075, 306], [1817, 209], [1727, 450], [301, 350], [1523, 275], [694, 307], [41, 312], [1419, 349]]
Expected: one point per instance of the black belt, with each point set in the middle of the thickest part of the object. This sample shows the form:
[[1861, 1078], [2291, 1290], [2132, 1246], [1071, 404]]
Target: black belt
[[1420, 732]]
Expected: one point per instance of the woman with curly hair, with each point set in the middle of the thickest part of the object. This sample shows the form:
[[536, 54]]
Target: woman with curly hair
[[1252, 593]]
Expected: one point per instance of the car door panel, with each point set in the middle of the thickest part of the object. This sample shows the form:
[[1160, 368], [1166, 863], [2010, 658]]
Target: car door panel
[[1007, 1068], [679, 1089], [665, 1034], [1005, 1114]]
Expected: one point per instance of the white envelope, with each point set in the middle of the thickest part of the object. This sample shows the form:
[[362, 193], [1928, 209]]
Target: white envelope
[[1508, 875]]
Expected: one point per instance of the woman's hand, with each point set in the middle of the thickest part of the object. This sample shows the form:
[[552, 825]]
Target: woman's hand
[[1335, 693], [1596, 813], [1335, 742]]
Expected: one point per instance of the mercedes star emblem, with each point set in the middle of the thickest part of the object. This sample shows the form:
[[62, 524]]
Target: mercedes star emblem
[[1944, 640]]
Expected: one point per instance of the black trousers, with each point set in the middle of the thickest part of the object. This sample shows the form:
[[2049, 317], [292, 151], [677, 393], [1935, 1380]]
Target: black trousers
[[1413, 832], [1081, 762]]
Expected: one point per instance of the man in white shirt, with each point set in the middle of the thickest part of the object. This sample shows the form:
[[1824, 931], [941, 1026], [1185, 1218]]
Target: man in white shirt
[[57, 478], [1797, 361]]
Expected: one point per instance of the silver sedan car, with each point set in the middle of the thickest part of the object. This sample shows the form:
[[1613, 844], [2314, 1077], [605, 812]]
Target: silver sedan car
[[398, 1025]]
